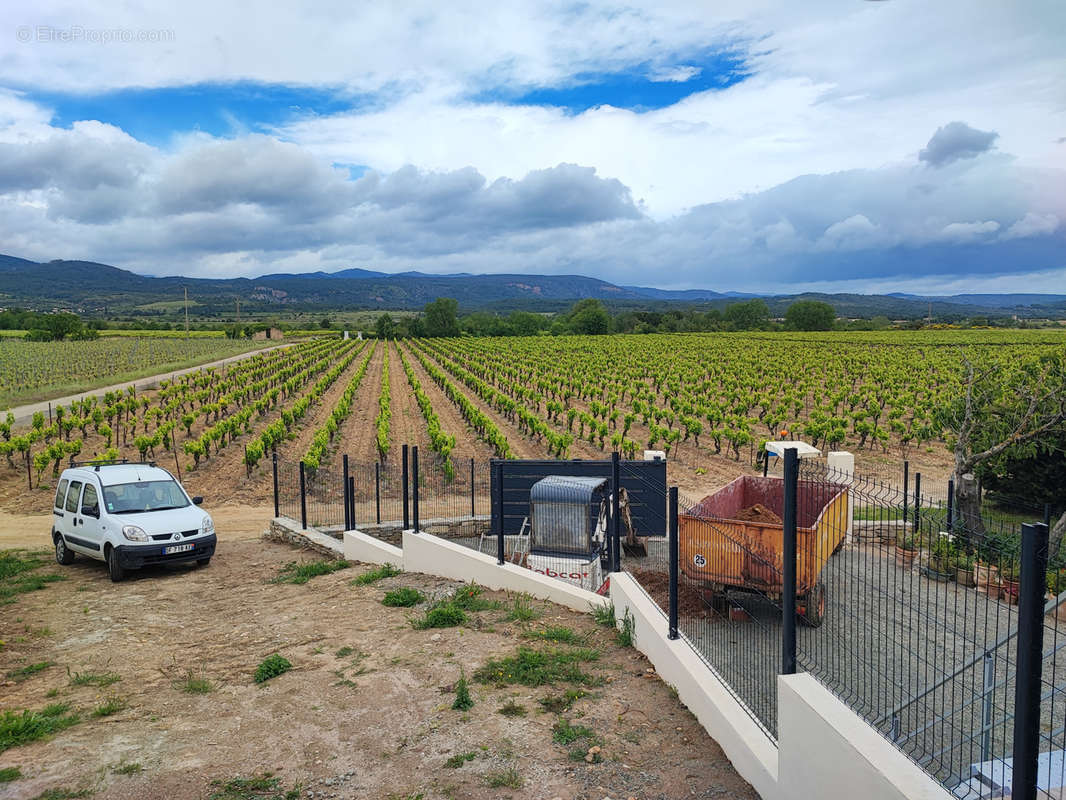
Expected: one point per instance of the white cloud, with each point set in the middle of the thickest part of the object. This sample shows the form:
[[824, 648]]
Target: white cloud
[[674, 74], [1032, 225], [968, 231]]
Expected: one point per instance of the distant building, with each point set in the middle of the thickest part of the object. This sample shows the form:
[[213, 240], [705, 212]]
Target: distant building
[[269, 333]]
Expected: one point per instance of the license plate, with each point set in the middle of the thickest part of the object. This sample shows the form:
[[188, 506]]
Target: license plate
[[178, 548]]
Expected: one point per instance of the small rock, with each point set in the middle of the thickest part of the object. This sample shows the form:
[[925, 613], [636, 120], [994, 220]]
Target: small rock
[[435, 637], [589, 758]]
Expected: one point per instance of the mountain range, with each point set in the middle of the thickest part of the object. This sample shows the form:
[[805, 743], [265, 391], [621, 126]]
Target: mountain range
[[91, 288]]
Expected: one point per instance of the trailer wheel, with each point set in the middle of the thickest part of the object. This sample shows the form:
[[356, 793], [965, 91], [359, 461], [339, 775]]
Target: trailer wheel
[[718, 601], [810, 607]]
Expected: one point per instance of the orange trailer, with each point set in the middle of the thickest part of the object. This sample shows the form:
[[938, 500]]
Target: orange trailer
[[723, 552]]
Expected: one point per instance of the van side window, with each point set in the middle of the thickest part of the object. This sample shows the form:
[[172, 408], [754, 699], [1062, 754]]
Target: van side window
[[61, 493], [89, 499], [72, 496]]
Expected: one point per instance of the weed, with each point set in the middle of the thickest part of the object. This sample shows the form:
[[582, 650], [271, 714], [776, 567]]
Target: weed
[[8, 774], [260, 787], [377, 574], [403, 598], [625, 633], [565, 733], [512, 709], [99, 679], [112, 705], [192, 684], [604, 615], [271, 667], [463, 700], [522, 609], [530, 667], [508, 778], [457, 761], [52, 693], [19, 675], [558, 703], [29, 726], [556, 633], [132, 768], [15, 566], [63, 794], [469, 598], [442, 615], [294, 572], [344, 651]]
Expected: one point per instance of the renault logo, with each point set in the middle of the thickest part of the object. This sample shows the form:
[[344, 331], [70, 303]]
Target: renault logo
[[176, 536]]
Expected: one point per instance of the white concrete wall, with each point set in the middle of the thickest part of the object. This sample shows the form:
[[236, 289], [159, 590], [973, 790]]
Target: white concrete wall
[[423, 552], [359, 546], [744, 742], [827, 751]]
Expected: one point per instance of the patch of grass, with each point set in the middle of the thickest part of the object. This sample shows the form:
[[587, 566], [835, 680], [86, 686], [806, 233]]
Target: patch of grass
[[565, 733], [260, 787], [112, 705], [469, 598], [344, 651], [558, 703], [377, 574], [15, 577], [508, 779], [441, 615], [512, 709], [624, 634], [295, 572], [8, 774], [522, 610], [193, 684], [133, 768], [28, 726], [21, 674], [530, 667], [63, 794], [52, 693], [90, 678], [604, 615], [463, 700], [556, 633], [404, 597], [457, 761], [271, 667]]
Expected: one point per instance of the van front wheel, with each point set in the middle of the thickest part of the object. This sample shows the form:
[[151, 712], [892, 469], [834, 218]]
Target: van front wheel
[[114, 569]]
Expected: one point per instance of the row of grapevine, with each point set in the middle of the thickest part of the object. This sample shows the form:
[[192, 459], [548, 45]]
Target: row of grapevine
[[441, 442], [381, 423], [323, 437]]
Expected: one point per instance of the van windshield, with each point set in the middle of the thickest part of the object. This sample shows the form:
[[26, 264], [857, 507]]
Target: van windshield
[[143, 496]]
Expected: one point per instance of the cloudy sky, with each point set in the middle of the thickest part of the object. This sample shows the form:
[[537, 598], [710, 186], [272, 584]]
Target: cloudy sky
[[901, 145]]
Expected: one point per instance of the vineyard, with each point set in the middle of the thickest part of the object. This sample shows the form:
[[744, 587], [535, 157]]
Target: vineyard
[[32, 370], [708, 400]]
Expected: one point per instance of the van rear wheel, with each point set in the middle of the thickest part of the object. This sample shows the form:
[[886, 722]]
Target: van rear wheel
[[64, 555], [114, 570]]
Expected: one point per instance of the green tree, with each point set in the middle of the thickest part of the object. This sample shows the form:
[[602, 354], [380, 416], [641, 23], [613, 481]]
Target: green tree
[[526, 323], [748, 314], [385, 327], [810, 315], [442, 317], [588, 316], [325, 323]]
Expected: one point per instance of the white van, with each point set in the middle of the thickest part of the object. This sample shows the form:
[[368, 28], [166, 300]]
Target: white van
[[129, 516]]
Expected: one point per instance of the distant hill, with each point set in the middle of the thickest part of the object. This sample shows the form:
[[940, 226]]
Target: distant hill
[[92, 288]]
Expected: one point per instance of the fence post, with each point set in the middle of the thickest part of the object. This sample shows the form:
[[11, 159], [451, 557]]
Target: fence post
[[498, 517], [788, 589], [616, 516], [951, 505], [414, 483], [987, 689], [672, 630], [351, 499], [1029, 660], [347, 499], [404, 489], [906, 488], [274, 459], [303, 496], [1047, 513], [472, 511], [917, 506], [377, 490]]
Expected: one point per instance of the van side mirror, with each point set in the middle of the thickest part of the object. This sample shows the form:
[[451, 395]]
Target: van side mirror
[[198, 500]]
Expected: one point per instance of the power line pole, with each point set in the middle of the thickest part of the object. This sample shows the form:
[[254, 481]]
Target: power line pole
[[238, 311], [186, 312]]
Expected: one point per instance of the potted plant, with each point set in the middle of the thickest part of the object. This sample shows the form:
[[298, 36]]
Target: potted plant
[[1009, 574], [964, 569], [906, 549], [941, 559]]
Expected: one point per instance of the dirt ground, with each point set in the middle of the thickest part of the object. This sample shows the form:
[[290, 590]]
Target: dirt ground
[[374, 723]]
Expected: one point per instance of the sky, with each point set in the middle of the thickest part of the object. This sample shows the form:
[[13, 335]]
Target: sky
[[854, 145]]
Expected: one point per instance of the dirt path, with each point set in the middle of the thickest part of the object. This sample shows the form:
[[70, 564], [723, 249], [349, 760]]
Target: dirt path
[[23, 414], [467, 444], [357, 435], [408, 426], [365, 711]]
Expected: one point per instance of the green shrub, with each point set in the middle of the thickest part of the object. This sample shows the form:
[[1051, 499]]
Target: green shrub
[[28, 726], [441, 615], [530, 667], [271, 667], [404, 597], [463, 700]]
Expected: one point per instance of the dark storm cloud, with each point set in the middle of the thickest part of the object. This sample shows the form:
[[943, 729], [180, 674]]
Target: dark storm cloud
[[954, 141]]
